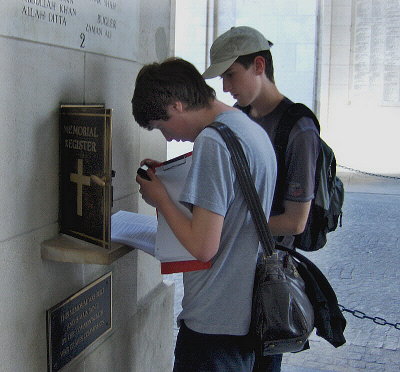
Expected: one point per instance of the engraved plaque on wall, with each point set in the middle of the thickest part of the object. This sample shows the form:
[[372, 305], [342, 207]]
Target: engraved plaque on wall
[[85, 173], [109, 27], [77, 322], [376, 52]]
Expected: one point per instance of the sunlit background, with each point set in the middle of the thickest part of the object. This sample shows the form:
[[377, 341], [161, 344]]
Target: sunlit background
[[339, 57]]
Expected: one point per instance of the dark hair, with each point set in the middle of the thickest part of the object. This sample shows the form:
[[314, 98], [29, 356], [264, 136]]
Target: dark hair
[[160, 84], [247, 60]]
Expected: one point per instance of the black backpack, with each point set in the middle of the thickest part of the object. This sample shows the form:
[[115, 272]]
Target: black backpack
[[326, 207]]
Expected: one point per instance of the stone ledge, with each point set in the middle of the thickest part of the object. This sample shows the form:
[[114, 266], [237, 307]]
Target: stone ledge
[[364, 183], [66, 248]]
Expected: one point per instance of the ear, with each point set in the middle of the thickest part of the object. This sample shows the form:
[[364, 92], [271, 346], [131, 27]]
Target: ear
[[259, 65], [177, 107]]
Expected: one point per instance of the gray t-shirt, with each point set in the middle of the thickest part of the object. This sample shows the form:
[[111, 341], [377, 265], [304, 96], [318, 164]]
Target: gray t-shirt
[[218, 300], [300, 160]]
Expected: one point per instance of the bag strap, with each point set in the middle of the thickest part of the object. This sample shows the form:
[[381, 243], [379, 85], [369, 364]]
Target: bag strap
[[247, 186]]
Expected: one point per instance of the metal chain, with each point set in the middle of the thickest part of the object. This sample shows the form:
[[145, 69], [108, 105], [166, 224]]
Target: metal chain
[[357, 313], [377, 320], [367, 173]]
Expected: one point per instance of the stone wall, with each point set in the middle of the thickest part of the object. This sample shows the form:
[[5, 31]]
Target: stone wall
[[37, 73]]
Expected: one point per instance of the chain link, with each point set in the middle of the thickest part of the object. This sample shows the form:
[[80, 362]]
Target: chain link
[[377, 320], [367, 173]]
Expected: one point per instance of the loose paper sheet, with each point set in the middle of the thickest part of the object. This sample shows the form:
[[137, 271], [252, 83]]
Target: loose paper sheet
[[148, 233], [134, 230], [168, 247]]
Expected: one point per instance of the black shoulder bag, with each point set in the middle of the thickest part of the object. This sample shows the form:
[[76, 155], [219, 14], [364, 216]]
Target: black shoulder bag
[[282, 316]]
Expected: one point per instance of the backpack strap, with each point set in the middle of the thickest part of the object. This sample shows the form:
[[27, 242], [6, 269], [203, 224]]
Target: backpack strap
[[289, 118]]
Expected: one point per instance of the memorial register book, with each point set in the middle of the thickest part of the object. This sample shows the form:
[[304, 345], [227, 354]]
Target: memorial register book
[[85, 185], [152, 234]]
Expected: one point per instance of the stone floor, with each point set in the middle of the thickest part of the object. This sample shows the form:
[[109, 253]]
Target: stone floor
[[361, 261]]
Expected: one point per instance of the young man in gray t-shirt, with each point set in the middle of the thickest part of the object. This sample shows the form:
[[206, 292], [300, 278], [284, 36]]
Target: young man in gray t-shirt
[[174, 98]]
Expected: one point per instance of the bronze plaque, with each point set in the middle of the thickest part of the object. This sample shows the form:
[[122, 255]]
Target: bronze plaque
[[77, 322], [85, 173]]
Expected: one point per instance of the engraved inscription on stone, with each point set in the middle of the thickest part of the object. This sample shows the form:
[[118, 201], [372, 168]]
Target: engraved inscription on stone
[[109, 27], [78, 321], [85, 173], [376, 52]]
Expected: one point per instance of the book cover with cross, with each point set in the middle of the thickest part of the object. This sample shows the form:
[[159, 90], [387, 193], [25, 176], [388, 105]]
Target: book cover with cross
[[85, 173]]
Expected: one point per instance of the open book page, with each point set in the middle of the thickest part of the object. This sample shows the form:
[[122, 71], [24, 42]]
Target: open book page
[[134, 230]]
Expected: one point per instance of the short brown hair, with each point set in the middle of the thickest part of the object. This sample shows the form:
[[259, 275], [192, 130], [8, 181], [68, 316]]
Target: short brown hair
[[247, 60], [160, 84]]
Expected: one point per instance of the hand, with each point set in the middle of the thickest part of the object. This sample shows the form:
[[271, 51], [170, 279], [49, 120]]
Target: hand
[[153, 192], [151, 163]]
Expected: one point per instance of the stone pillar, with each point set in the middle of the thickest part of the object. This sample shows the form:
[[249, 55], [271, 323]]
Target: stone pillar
[[75, 53], [224, 16]]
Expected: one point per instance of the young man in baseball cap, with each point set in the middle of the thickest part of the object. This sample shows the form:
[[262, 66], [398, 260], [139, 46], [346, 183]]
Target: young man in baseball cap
[[242, 57]]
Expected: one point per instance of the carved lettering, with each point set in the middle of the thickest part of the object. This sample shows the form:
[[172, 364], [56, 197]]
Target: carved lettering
[[34, 13], [64, 352], [86, 301], [82, 338], [81, 131], [47, 4], [110, 4], [77, 325], [81, 316], [67, 10], [80, 145], [83, 326], [93, 29], [58, 19], [107, 21], [100, 26]]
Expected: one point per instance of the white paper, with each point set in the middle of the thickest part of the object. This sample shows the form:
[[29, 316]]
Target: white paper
[[134, 230], [150, 234], [173, 175]]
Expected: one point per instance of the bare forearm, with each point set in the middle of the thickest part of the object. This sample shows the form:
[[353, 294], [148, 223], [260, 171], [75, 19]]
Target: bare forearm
[[180, 224], [200, 235], [281, 225], [292, 221]]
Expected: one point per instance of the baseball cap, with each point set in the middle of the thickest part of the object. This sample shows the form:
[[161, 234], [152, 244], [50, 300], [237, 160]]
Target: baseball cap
[[238, 41]]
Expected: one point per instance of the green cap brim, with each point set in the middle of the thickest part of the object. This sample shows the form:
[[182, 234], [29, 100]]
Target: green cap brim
[[217, 69]]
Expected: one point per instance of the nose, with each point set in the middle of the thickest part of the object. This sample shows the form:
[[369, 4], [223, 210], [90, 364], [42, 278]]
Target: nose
[[165, 134], [168, 138]]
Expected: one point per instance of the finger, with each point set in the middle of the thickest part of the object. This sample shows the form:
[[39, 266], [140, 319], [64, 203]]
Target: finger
[[151, 163], [139, 180], [151, 173]]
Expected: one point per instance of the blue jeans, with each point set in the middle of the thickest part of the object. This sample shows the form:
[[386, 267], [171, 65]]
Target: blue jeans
[[270, 363], [199, 352]]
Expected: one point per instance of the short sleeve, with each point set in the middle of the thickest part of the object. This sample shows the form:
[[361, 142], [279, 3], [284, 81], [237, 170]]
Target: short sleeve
[[301, 159]]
